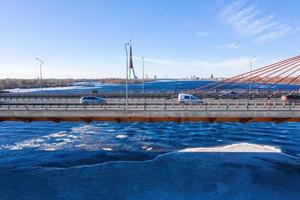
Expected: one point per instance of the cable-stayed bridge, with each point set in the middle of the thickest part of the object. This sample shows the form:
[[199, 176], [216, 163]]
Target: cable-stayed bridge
[[269, 93]]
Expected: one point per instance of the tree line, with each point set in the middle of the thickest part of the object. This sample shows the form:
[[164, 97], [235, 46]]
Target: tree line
[[33, 83], [36, 83]]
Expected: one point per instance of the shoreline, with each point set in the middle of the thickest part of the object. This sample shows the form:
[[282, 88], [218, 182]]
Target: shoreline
[[14, 84]]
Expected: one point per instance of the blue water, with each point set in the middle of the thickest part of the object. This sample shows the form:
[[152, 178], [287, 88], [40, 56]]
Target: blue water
[[109, 160], [169, 86], [69, 143]]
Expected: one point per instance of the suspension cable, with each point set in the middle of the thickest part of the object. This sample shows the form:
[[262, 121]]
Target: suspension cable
[[286, 85], [250, 78], [268, 80], [279, 80], [247, 73]]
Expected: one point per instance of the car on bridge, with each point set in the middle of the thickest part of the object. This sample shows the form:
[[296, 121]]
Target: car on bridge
[[92, 100], [227, 95], [292, 98], [188, 98]]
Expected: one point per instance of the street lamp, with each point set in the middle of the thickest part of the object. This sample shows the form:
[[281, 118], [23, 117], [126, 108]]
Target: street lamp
[[41, 74], [251, 66], [41, 64], [126, 98], [143, 74]]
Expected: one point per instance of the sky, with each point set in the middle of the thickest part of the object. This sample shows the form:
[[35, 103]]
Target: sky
[[85, 38]]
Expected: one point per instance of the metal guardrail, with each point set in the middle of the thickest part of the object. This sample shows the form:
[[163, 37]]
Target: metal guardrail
[[132, 99], [155, 106]]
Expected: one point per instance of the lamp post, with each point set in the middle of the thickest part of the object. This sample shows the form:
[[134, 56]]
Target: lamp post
[[126, 90], [143, 74], [41, 74], [251, 66], [41, 65]]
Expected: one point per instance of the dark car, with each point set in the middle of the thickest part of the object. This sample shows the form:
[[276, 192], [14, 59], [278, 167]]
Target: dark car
[[292, 98], [227, 95], [2, 102]]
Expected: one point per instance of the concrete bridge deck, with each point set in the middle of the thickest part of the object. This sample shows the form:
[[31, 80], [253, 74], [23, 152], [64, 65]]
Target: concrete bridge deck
[[151, 110]]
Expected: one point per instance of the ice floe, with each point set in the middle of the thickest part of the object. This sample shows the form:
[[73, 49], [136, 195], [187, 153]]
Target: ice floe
[[121, 136], [107, 149], [240, 147]]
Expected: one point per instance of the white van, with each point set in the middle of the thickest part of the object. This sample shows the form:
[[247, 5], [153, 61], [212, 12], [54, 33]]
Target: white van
[[92, 100], [188, 98]]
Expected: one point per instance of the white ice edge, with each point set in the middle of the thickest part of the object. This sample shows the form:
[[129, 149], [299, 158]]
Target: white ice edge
[[239, 148], [22, 90]]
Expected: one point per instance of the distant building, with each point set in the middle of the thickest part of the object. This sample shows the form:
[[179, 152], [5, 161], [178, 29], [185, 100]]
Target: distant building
[[212, 76], [193, 77]]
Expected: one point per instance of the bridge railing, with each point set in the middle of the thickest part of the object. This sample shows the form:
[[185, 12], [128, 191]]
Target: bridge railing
[[158, 105]]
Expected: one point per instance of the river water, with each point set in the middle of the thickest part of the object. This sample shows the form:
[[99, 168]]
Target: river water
[[109, 160]]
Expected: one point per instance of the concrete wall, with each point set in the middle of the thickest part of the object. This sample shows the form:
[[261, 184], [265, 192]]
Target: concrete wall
[[141, 115]]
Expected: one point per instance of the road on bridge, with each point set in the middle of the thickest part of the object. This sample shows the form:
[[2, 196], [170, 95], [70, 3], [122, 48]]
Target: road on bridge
[[62, 103]]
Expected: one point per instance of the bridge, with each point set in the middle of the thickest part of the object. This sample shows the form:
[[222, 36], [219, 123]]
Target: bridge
[[260, 102], [148, 109]]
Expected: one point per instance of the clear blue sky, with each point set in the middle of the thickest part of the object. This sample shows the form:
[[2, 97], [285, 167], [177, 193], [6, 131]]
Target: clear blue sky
[[177, 38]]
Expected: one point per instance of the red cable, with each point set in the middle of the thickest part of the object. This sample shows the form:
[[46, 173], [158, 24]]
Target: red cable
[[246, 76], [268, 80], [266, 67], [250, 77], [279, 80], [286, 85]]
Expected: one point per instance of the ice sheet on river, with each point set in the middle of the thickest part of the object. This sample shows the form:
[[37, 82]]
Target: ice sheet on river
[[190, 174]]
